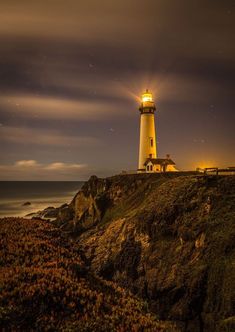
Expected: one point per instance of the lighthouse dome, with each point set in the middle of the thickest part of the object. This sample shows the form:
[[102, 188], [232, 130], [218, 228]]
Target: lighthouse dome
[[147, 103], [147, 96]]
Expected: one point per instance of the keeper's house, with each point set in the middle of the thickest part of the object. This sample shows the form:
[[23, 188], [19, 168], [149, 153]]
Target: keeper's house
[[160, 165]]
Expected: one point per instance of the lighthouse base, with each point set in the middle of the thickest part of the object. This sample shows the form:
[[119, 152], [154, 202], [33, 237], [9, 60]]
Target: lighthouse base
[[141, 170]]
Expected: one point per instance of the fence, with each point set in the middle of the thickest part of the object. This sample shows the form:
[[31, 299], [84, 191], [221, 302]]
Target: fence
[[219, 171]]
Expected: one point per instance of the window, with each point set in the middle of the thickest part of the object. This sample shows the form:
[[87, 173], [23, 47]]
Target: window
[[147, 168], [151, 142], [150, 155], [151, 167]]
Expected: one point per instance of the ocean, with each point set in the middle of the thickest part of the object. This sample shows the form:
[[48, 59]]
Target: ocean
[[40, 194]]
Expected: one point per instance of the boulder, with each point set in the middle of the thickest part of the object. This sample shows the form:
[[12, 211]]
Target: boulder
[[26, 204]]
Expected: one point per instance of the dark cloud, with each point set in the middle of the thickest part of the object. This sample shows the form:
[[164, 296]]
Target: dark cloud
[[71, 73]]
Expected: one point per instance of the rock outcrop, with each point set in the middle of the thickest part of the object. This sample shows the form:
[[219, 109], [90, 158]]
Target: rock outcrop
[[61, 214], [169, 238]]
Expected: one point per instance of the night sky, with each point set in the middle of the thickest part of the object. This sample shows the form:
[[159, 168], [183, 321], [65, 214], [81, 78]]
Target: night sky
[[71, 73]]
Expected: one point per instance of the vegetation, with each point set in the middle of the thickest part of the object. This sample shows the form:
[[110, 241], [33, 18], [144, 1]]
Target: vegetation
[[46, 285]]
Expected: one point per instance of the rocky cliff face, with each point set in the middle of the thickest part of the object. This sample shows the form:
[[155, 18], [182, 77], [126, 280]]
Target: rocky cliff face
[[168, 238]]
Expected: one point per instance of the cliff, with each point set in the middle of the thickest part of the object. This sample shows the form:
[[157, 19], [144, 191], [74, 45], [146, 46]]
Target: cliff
[[168, 238]]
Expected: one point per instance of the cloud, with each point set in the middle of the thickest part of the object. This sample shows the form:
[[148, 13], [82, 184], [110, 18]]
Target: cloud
[[62, 166], [45, 137], [168, 25], [83, 20], [33, 170], [55, 108], [27, 163]]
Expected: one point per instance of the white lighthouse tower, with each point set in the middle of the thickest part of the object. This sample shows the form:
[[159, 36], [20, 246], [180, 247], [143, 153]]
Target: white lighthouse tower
[[148, 144]]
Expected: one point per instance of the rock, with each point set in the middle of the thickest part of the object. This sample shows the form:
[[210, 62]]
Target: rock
[[65, 214], [31, 214], [49, 208], [63, 206], [26, 204], [38, 218], [50, 212]]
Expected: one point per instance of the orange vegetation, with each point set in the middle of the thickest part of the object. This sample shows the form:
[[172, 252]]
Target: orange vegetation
[[46, 285]]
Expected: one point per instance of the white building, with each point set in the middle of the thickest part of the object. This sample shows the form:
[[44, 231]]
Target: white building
[[160, 165]]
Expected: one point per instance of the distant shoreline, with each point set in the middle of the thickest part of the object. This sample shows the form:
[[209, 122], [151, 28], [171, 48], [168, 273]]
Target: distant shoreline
[[40, 195]]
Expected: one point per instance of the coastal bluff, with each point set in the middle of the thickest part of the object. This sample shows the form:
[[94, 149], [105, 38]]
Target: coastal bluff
[[146, 252], [168, 238]]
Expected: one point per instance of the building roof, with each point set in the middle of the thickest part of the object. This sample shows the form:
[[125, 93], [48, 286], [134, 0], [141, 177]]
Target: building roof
[[159, 161]]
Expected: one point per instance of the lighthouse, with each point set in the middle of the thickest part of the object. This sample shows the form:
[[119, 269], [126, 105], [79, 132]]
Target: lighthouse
[[148, 161], [148, 144]]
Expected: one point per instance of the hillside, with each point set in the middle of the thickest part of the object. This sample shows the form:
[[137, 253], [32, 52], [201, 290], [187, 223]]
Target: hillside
[[169, 239], [46, 285], [125, 246]]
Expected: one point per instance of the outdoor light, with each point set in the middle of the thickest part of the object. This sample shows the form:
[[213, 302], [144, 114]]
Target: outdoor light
[[147, 96]]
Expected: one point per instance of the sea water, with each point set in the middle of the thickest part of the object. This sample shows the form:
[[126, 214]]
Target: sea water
[[40, 195]]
